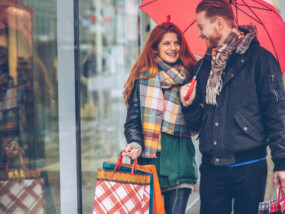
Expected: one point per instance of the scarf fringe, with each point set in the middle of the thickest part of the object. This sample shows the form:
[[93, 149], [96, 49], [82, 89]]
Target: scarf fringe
[[213, 92]]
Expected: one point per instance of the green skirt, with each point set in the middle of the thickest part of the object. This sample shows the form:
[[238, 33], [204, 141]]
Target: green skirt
[[175, 163]]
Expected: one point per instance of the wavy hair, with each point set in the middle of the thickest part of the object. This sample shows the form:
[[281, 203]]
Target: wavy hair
[[214, 8], [146, 60]]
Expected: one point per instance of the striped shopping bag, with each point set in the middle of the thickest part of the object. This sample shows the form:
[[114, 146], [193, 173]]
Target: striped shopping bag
[[275, 205], [123, 190], [21, 189], [278, 206]]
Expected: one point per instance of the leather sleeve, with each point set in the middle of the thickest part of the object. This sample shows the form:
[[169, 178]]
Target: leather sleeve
[[133, 127]]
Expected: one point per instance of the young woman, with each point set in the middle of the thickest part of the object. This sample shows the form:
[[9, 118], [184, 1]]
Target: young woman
[[155, 128]]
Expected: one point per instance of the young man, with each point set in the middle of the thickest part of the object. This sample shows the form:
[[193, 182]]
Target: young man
[[238, 105]]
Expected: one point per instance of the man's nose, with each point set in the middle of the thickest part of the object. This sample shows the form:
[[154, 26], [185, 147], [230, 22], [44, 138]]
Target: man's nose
[[199, 33]]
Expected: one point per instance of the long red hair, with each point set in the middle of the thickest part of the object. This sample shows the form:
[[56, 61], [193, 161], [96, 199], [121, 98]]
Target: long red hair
[[146, 59]]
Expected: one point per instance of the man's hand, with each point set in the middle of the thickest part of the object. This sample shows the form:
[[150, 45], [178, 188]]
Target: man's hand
[[279, 176], [183, 92]]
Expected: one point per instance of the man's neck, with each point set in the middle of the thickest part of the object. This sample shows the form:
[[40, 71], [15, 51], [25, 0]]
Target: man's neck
[[225, 35]]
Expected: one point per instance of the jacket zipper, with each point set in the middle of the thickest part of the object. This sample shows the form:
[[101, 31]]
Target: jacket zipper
[[272, 77]]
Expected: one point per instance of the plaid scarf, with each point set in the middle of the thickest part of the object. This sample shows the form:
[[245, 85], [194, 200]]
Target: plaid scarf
[[235, 41], [160, 105]]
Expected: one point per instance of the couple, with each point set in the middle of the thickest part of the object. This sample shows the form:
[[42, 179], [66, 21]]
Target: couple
[[237, 106]]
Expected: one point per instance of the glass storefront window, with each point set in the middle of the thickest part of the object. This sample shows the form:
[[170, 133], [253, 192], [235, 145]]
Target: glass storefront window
[[49, 59], [109, 45], [28, 107]]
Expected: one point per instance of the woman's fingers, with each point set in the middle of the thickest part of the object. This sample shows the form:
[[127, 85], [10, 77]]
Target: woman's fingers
[[130, 153], [183, 93], [134, 154], [184, 90], [126, 151]]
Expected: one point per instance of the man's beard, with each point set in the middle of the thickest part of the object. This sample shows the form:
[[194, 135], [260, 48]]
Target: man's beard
[[214, 40]]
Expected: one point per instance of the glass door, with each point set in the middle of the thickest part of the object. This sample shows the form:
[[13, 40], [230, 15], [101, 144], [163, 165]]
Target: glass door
[[109, 41]]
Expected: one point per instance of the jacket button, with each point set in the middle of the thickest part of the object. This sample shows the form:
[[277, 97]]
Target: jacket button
[[215, 142], [245, 129], [217, 159], [242, 60], [216, 124]]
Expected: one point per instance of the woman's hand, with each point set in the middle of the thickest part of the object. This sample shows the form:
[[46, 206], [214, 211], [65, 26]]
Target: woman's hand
[[12, 149], [130, 152], [184, 90]]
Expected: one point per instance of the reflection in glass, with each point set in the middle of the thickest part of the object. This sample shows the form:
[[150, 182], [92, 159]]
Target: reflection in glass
[[109, 45], [28, 113]]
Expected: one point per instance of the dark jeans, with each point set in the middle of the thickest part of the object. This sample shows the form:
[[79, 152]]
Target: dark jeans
[[181, 202], [243, 184]]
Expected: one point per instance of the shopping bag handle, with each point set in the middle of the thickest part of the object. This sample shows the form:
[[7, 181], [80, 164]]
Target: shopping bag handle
[[17, 150], [120, 160], [280, 192]]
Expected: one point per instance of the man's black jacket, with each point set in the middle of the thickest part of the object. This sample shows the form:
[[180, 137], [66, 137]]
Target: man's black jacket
[[250, 113]]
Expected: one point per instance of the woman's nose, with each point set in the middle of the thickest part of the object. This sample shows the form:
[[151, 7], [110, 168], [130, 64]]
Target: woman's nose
[[173, 46]]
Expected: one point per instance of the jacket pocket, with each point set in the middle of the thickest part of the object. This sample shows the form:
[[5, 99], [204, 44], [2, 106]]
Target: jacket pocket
[[247, 126]]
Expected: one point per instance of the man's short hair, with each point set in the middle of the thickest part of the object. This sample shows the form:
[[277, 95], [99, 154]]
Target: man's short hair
[[214, 8]]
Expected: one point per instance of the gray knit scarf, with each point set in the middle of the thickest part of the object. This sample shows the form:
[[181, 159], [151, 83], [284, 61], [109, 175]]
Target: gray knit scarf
[[235, 41]]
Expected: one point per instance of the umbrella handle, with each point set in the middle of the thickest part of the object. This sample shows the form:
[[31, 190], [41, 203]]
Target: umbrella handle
[[192, 83]]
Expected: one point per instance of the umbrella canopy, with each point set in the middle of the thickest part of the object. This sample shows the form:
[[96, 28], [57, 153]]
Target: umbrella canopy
[[269, 23], [269, 1]]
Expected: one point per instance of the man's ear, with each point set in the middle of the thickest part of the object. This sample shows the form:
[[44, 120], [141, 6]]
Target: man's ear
[[220, 23]]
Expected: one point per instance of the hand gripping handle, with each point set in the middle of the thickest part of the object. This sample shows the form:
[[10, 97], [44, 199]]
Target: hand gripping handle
[[119, 163], [192, 83]]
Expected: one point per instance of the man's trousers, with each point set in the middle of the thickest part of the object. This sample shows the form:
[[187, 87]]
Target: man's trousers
[[240, 187]]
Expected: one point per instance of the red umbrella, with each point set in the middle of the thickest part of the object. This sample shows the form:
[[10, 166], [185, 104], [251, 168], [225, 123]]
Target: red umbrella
[[269, 23]]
